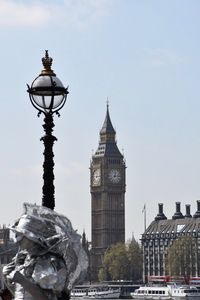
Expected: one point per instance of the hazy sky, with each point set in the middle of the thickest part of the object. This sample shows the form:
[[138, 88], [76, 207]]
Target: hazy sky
[[144, 55]]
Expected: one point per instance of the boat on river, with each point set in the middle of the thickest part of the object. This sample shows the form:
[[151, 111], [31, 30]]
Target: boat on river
[[95, 293], [152, 292], [77, 293], [185, 292], [172, 292]]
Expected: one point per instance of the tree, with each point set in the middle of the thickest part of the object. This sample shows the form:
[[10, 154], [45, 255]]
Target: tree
[[122, 262], [180, 257], [134, 253], [115, 262]]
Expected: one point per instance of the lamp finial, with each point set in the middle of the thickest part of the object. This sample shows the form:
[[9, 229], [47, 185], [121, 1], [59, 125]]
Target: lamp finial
[[47, 62]]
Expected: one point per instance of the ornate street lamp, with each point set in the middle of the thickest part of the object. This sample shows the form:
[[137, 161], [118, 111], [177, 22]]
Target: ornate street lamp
[[48, 96]]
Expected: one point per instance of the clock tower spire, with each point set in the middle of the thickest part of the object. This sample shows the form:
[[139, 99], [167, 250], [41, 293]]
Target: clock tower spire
[[107, 187], [107, 144]]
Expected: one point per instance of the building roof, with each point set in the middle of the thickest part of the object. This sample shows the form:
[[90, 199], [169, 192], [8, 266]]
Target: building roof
[[177, 225]]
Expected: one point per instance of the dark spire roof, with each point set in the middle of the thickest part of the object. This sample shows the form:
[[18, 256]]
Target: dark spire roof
[[107, 125], [107, 144]]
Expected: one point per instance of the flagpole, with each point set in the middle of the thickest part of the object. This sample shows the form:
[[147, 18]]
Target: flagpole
[[145, 217]]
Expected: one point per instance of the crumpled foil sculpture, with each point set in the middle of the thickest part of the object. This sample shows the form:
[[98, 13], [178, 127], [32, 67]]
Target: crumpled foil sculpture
[[50, 260]]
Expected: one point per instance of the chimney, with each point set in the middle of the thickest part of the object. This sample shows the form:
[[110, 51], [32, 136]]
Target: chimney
[[160, 215], [187, 210], [197, 213], [178, 214]]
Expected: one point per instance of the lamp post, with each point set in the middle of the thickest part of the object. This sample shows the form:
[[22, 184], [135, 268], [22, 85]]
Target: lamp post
[[48, 96]]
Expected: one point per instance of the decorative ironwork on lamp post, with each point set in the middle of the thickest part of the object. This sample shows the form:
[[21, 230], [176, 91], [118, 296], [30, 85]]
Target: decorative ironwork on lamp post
[[48, 96]]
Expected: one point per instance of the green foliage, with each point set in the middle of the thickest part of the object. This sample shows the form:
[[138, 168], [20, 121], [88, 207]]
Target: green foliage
[[134, 253], [180, 257], [102, 275], [116, 261], [122, 262]]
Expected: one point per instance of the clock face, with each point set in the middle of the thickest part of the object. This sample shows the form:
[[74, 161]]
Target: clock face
[[114, 176], [96, 177]]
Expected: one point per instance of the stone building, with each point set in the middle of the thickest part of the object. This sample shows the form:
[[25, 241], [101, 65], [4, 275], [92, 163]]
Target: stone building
[[162, 232], [8, 248], [107, 187]]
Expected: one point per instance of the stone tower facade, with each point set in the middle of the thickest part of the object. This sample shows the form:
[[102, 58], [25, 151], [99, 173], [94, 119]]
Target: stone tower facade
[[107, 187]]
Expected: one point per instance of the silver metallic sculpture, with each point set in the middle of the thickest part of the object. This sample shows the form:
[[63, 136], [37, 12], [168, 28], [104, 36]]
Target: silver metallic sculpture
[[50, 259]]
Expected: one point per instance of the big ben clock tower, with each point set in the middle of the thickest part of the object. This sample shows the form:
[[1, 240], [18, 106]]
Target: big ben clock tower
[[107, 187]]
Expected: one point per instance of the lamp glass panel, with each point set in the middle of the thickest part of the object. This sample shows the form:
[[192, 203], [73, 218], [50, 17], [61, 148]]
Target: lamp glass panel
[[45, 102], [48, 82]]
